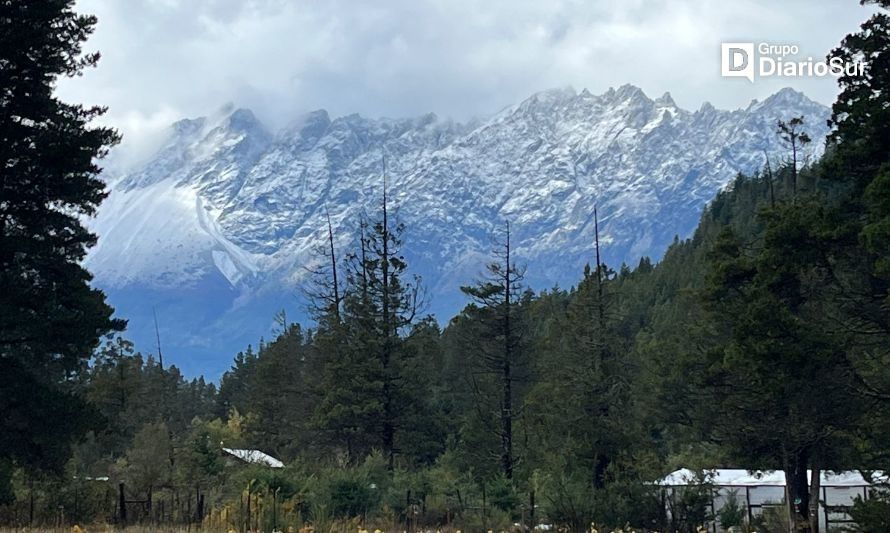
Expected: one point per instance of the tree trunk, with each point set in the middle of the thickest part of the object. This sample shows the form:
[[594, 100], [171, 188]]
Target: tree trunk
[[507, 424], [388, 424], [600, 461], [507, 401], [798, 484], [600, 466], [815, 487], [335, 281], [531, 510], [122, 505]]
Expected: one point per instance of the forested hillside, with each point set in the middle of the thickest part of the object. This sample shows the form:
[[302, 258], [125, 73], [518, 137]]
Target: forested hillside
[[762, 342]]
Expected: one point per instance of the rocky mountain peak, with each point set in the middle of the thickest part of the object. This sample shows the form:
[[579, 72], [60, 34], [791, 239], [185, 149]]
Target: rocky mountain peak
[[230, 214]]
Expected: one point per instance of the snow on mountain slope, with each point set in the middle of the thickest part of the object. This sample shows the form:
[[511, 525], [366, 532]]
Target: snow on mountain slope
[[229, 213], [164, 235]]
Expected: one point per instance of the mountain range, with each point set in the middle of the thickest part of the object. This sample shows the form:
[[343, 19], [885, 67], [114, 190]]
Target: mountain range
[[218, 229]]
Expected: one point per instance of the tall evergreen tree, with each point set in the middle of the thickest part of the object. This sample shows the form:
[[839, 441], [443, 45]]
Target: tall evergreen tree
[[779, 377], [795, 138], [858, 165], [279, 402], [367, 391], [235, 383], [50, 317], [860, 115], [498, 341]]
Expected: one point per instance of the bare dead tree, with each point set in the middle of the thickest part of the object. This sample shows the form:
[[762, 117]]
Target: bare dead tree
[[325, 293], [791, 132], [600, 305], [388, 418], [333, 257], [769, 180], [158, 338]]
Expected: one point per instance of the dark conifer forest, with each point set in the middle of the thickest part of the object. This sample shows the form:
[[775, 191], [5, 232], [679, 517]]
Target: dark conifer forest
[[762, 343]]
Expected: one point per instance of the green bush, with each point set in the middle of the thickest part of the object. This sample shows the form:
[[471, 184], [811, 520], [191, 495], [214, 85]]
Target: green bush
[[872, 515], [570, 502], [351, 497], [690, 505], [732, 513], [354, 491], [502, 495]]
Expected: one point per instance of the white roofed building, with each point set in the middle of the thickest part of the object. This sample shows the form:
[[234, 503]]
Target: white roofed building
[[758, 490], [254, 457]]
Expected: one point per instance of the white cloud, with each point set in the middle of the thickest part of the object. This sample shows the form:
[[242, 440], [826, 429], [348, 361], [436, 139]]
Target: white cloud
[[168, 59]]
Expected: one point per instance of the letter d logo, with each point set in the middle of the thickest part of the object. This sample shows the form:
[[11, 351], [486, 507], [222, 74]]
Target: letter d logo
[[737, 60]]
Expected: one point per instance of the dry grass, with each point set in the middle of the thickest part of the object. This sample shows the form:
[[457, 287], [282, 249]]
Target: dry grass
[[111, 528], [103, 528], [106, 529]]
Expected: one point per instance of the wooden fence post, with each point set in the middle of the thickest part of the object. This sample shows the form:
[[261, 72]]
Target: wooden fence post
[[122, 504]]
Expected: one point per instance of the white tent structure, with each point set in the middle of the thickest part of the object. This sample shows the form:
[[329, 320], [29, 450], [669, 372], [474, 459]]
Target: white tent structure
[[756, 490]]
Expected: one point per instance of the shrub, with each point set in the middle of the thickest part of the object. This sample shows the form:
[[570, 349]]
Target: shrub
[[872, 515], [732, 513]]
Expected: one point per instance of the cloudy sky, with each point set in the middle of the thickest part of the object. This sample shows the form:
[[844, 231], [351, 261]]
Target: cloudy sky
[[167, 59]]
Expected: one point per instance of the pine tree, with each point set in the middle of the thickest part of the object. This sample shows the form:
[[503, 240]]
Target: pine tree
[[780, 381], [796, 139], [348, 410], [148, 459], [499, 340], [366, 388], [857, 225], [279, 403], [235, 383], [50, 317], [860, 116], [582, 397]]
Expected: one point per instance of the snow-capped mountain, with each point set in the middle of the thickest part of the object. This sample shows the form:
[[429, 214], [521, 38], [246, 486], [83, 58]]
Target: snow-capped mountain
[[215, 231]]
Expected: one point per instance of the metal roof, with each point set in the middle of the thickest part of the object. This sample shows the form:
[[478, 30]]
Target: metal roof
[[752, 478], [255, 457]]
